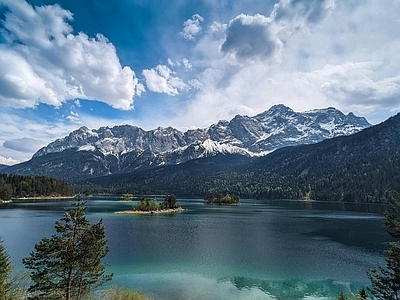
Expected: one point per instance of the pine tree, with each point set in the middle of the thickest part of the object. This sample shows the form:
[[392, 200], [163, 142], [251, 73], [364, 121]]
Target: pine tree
[[68, 264], [5, 270], [386, 281], [363, 294]]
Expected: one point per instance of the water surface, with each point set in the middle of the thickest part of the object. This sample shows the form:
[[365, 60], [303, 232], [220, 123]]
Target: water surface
[[258, 250]]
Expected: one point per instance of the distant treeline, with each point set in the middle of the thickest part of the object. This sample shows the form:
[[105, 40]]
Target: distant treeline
[[374, 179], [16, 186]]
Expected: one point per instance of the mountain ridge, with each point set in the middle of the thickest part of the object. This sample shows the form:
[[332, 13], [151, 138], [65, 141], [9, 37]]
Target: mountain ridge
[[88, 153]]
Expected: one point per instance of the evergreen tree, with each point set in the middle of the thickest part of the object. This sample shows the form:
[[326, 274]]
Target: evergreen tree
[[363, 294], [386, 281], [341, 296], [68, 264], [5, 270], [170, 202]]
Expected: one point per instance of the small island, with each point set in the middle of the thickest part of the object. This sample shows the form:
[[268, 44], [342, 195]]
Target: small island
[[145, 206], [220, 199], [127, 197]]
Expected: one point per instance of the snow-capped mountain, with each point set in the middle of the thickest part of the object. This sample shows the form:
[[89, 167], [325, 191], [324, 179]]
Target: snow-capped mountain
[[121, 149]]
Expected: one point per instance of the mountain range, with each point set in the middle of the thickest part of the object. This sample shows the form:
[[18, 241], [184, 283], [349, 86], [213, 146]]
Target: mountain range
[[362, 167], [87, 153]]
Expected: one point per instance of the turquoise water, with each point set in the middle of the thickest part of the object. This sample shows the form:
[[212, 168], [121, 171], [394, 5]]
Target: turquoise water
[[257, 250]]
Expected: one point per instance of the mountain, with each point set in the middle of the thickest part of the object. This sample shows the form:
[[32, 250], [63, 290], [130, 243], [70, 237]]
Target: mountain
[[3, 166], [363, 167], [86, 153]]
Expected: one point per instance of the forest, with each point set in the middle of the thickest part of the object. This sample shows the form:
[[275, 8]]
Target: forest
[[17, 186]]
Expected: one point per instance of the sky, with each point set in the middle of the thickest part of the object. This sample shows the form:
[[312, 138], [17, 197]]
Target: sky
[[187, 64]]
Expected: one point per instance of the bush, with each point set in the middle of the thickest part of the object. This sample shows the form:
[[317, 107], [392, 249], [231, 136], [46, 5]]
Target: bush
[[115, 293]]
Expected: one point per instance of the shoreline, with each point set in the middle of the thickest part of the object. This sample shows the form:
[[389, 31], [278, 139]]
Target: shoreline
[[150, 212], [43, 198], [5, 201]]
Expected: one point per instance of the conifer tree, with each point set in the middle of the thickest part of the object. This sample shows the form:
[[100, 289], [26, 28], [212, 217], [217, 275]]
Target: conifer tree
[[386, 280], [5, 270], [68, 264]]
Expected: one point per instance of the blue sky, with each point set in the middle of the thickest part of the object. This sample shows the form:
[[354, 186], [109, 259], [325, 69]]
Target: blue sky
[[67, 64]]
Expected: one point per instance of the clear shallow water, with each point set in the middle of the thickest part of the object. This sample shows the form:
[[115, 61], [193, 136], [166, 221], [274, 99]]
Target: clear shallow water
[[257, 250]]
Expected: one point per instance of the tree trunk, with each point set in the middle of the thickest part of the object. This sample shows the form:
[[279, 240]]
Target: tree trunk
[[69, 285]]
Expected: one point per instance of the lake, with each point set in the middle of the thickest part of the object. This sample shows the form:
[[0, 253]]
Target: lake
[[258, 250]]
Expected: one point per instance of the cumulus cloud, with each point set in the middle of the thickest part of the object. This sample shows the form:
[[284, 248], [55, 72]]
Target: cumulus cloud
[[260, 37], [162, 79], [355, 84], [44, 62], [186, 64], [216, 28], [74, 117], [24, 144], [250, 37], [8, 161], [192, 27]]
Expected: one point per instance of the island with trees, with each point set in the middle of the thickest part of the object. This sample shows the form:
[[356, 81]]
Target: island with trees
[[228, 199], [146, 206], [127, 197]]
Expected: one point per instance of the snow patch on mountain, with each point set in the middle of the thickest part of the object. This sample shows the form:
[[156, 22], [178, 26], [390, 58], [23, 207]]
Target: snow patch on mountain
[[87, 148]]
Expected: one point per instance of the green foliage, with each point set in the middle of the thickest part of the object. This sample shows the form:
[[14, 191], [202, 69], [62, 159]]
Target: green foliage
[[170, 202], [222, 199], [68, 264], [386, 280], [362, 295], [127, 197], [38, 186], [145, 205], [115, 293], [142, 205], [5, 271], [341, 296]]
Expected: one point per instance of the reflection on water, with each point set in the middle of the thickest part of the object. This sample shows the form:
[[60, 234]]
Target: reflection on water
[[258, 250]]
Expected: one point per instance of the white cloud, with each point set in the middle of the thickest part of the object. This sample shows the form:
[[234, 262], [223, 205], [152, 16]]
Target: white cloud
[[192, 27], [74, 117], [139, 89], [217, 28], [170, 62], [162, 79], [24, 144], [44, 62], [186, 64], [354, 85], [8, 161], [17, 129], [196, 84]]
